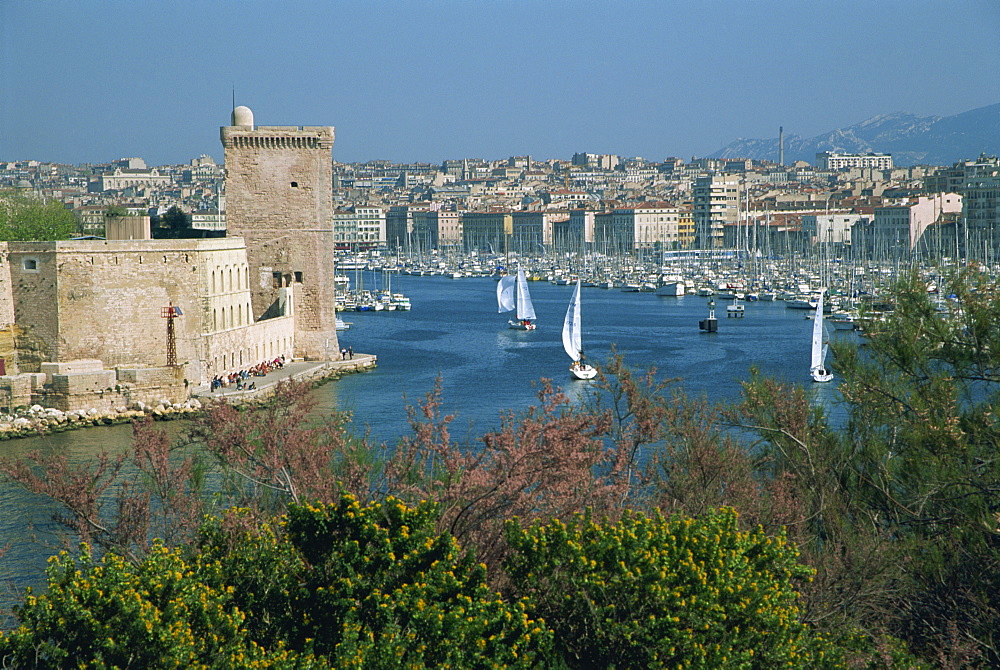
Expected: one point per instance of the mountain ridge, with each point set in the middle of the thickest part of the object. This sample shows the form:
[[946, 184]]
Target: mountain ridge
[[911, 139]]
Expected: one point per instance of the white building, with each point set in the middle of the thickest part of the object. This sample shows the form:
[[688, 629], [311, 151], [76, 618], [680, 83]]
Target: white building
[[716, 200], [831, 228], [831, 160], [359, 228], [643, 226], [121, 179]]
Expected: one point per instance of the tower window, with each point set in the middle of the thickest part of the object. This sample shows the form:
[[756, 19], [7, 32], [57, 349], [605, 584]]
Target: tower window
[[298, 277], [30, 264], [295, 184]]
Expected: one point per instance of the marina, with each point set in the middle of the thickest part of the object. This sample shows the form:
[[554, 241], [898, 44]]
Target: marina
[[738, 276]]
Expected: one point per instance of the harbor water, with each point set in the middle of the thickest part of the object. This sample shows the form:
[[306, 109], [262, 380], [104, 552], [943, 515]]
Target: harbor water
[[454, 333]]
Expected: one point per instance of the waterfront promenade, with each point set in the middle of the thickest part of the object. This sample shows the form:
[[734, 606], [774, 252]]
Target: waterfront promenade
[[303, 371]]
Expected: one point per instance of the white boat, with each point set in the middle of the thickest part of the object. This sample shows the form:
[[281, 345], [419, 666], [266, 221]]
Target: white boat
[[401, 302], [801, 303], [341, 324], [512, 293], [817, 368], [572, 339], [674, 287]]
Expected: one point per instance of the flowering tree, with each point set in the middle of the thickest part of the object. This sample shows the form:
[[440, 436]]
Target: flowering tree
[[550, 461], [121, 502], [280, 452]]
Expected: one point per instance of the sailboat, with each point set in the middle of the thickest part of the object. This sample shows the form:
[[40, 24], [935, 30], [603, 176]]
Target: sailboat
[[506, 290], [817, 368], [573, 341]]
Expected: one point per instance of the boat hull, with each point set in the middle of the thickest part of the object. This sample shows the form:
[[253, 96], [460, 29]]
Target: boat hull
[[821, 375], [673, 289], [582, 371]]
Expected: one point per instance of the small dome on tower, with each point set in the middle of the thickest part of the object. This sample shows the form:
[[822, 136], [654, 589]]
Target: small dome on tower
[[242, 116]]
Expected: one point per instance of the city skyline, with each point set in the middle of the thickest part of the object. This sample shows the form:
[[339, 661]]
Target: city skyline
[[407, 82]]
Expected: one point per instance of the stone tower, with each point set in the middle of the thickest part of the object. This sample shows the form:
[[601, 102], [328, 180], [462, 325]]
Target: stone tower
[[279, 199]]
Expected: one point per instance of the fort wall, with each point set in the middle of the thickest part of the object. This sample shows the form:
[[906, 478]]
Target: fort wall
[[103, 299], [279, 198], [82, 322]]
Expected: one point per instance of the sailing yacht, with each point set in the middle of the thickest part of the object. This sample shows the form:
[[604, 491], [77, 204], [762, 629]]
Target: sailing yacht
[[817, 369], [573, 340], [512, 292]]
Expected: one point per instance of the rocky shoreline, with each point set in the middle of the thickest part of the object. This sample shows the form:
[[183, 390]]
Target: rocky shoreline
[[36, 420]]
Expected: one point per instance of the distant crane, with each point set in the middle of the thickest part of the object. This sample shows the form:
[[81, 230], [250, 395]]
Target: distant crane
[[170, 313]]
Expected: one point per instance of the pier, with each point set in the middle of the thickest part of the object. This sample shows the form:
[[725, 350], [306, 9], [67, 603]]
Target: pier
[[300, 371]]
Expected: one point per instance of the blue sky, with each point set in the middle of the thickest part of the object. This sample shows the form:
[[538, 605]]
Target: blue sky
[[428, 80]]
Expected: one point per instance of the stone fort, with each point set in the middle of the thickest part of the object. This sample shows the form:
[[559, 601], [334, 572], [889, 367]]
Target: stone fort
[[84, 323]]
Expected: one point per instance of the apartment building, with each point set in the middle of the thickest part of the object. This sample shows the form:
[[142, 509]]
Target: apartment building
[[981, 213], [436, 229], [900, 228], [487, 231], [573, 233], [359, 228], [716, 202], [832, 161]]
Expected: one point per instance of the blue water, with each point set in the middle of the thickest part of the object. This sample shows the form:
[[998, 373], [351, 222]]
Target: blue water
[[455, 332]]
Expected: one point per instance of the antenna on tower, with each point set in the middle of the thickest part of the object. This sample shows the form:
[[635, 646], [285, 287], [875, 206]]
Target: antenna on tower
[[234, 97]]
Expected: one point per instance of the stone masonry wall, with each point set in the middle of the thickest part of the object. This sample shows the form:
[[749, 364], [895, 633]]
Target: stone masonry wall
[[241, 348], [33, 272], [103, 299], [279, 198]]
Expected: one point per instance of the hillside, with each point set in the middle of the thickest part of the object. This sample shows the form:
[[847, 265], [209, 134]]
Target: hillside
[[911, 139]]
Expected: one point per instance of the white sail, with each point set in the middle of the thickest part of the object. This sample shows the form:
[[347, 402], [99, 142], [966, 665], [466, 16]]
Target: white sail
[[571, 335], [817, 369], [505, 293], [525, 310]]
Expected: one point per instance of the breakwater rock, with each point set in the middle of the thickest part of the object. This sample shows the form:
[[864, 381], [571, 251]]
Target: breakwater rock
[[31, 421]]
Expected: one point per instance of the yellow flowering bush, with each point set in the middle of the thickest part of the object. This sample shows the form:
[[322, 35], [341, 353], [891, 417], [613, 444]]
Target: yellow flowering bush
[[648, 592], [113, 614], [367, 586], [385, 589]]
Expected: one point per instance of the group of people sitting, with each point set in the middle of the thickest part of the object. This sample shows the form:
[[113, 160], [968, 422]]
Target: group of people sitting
[[240, 378]]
